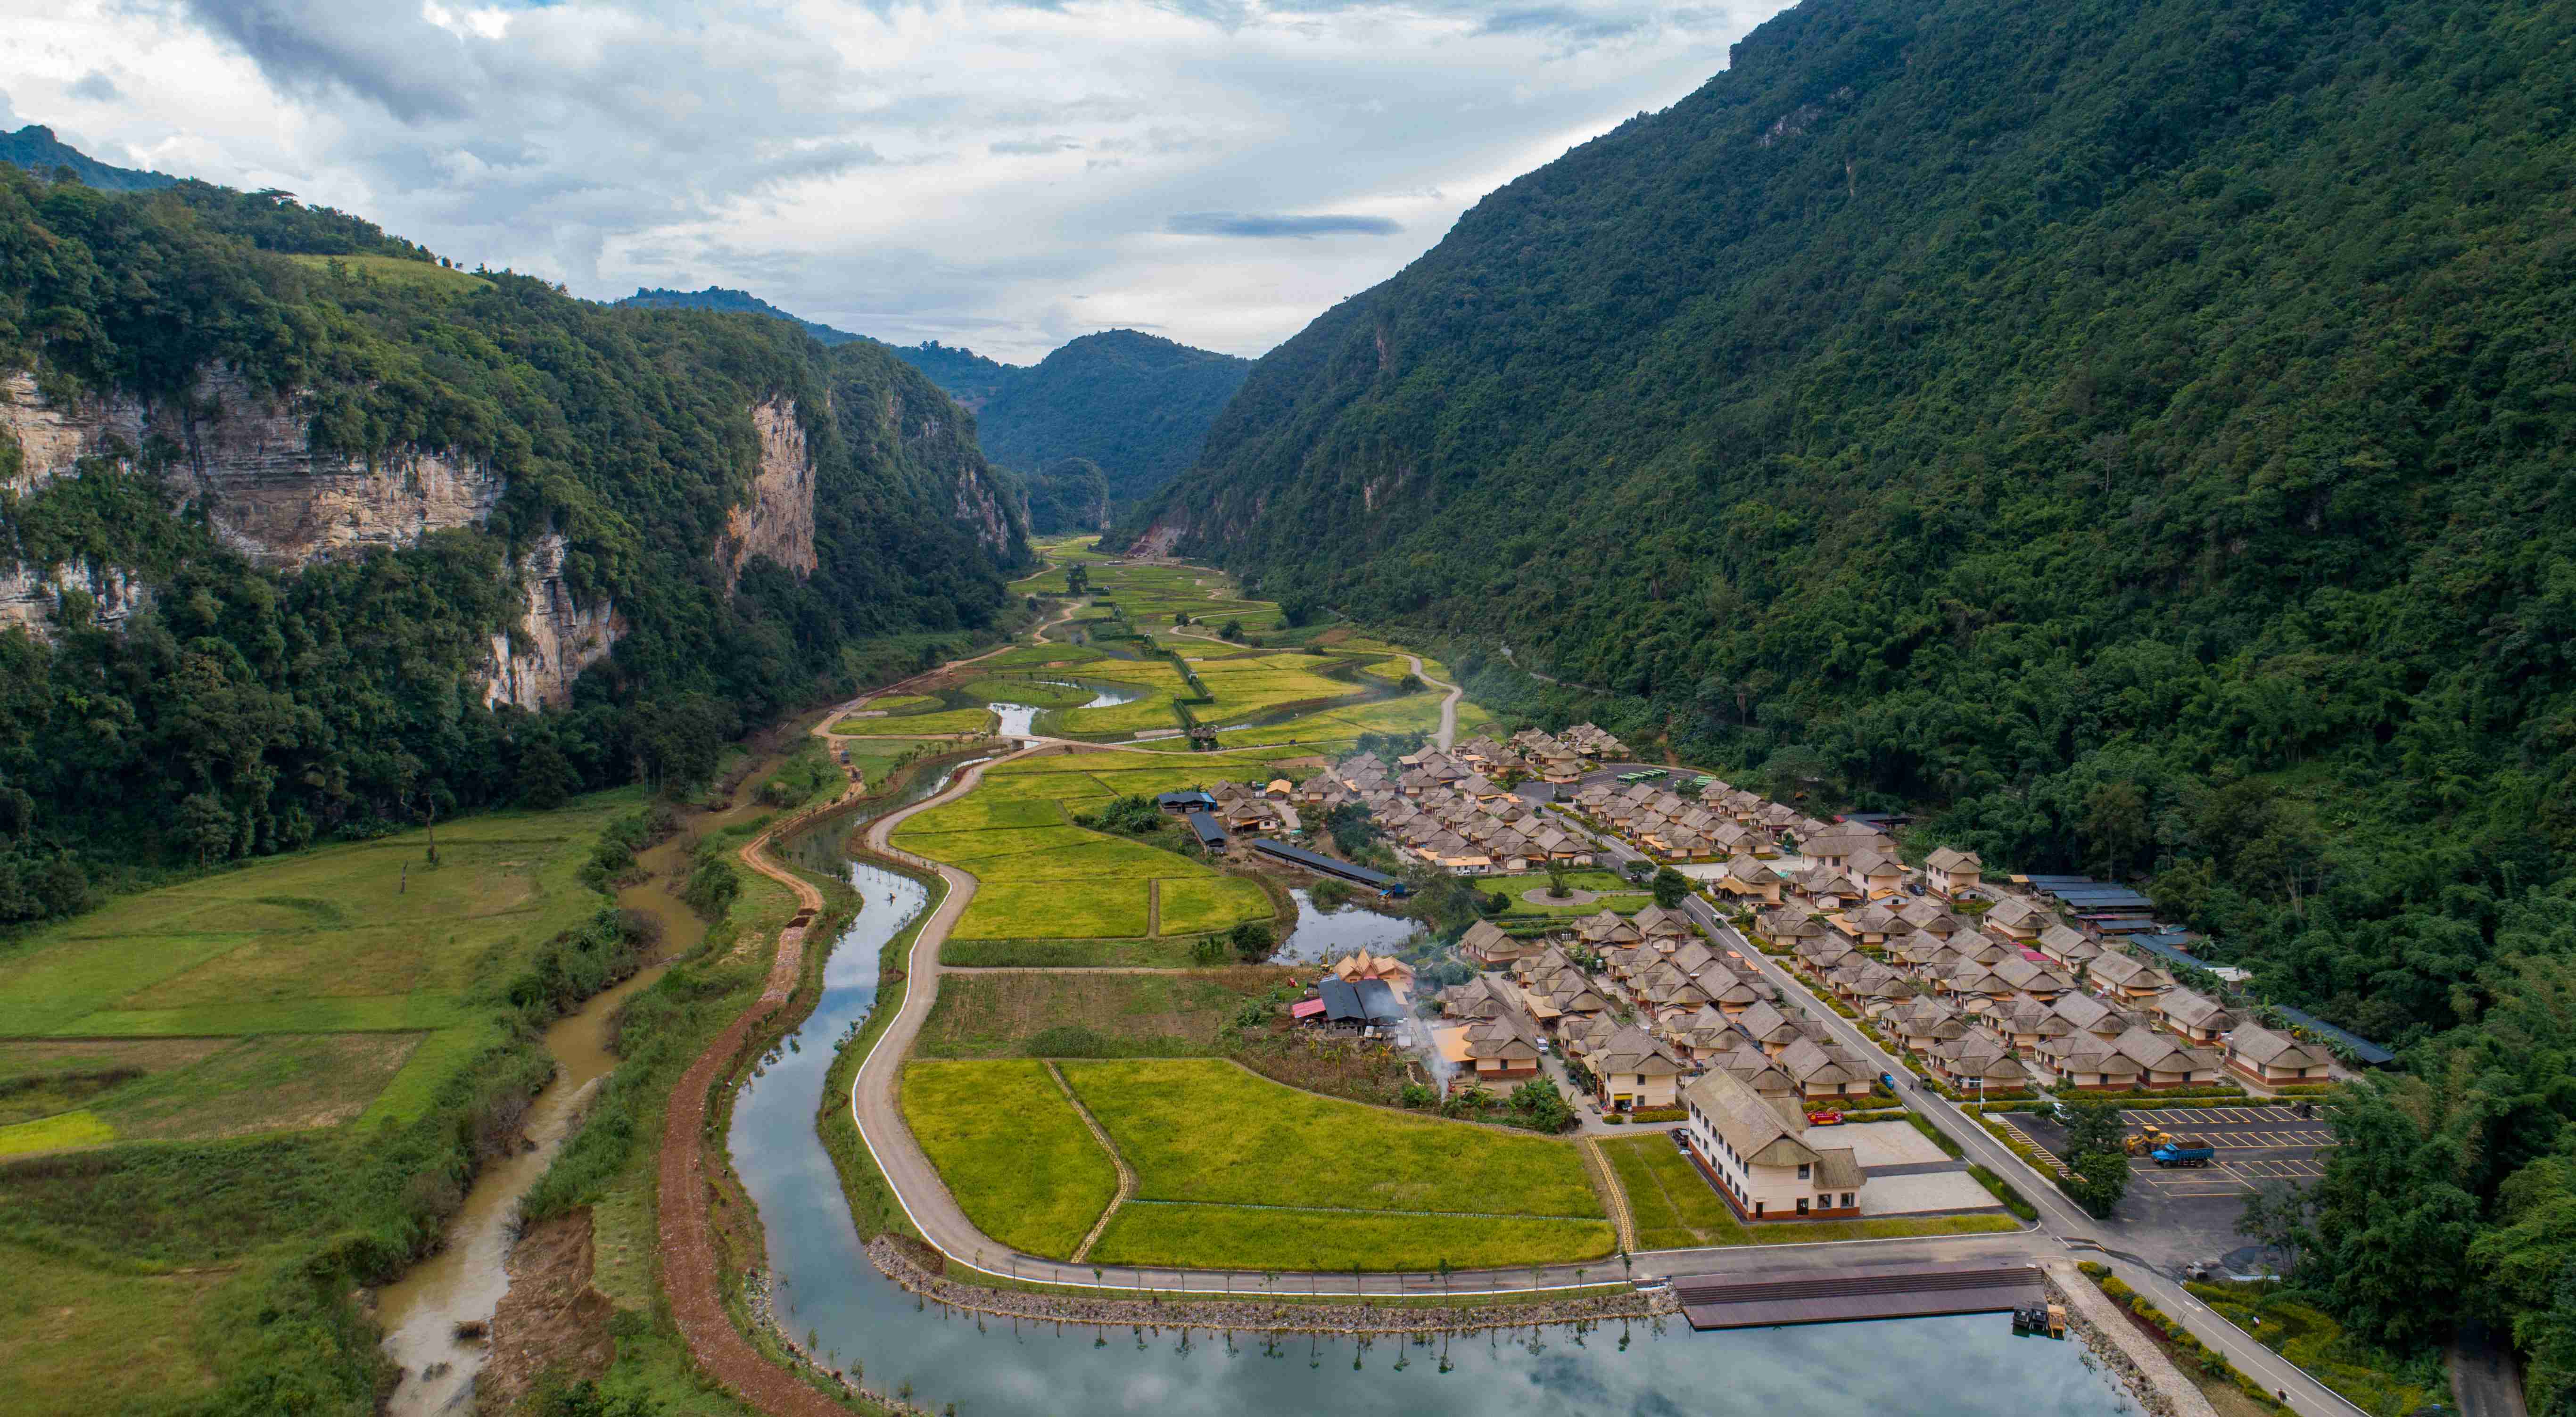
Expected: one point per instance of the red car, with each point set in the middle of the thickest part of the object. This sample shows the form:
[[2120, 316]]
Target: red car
[[1825, 1117]]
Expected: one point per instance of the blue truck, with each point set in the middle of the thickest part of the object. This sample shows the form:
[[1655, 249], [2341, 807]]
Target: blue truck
[[2183, 1151]]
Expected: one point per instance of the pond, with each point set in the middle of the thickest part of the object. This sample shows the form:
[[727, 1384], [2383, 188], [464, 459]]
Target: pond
[[862, 1322], [1323, 936]]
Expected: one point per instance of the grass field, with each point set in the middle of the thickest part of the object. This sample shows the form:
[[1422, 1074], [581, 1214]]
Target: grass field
[[1329, 1242], [282, 996], [1278, 1146], [1042, 878], [1676, 1209], [1177, 1014], [395, 271], [52, 1351], [226, 1104], [1013, 1150], [963, 720]]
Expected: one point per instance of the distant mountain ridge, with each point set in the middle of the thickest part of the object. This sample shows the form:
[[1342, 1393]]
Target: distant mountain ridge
[[1137, 406], [716, 297], [36, 149]]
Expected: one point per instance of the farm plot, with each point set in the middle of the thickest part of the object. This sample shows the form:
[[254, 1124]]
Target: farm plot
[[277, 998], [1293, 1181], [1013, 1151], [1043, 879], [1283, 1147]]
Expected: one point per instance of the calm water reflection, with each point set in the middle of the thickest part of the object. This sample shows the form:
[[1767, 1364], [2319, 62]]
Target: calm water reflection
[[1322, 936], [1916, 1368]]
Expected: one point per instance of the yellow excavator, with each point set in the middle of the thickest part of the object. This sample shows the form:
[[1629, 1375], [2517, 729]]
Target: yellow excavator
[[2145, 1139]]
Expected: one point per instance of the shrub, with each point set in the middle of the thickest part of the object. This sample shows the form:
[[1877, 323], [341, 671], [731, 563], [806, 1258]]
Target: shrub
[[1067, 1040], [1658, 1114]]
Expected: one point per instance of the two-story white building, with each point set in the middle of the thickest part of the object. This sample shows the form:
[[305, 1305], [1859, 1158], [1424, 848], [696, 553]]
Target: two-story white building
[[1755, 1148]]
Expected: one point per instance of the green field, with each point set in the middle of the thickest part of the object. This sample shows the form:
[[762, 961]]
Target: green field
[[1015, 1153], [1233, 1170], [1041, 878], [1178, 1013], [270, 1073], [302, 1005], [961, 720], [1279, 1146], [395, 271]]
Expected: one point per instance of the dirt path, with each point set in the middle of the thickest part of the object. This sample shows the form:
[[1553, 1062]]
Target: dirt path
[[1126, 1173], [1608, 1181], [688, 1252], [1447, 737]]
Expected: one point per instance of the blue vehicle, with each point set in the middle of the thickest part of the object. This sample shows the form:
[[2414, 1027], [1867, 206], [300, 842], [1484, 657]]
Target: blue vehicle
[[2183, 1151]]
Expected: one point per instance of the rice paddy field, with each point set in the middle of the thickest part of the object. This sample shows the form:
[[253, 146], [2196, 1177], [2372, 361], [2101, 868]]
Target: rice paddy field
[[1043, 879], [1015, 1153], [1290, 1181]]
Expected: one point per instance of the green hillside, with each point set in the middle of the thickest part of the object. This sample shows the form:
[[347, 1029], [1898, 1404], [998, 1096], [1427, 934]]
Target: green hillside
[[1135, 405], [2135, 431], [248, 710], [2138, 429]]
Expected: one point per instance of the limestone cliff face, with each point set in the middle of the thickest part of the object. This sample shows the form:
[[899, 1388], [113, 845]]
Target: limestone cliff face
[[53, 438], [535, 666], [29, 595], [248, 460], [778, 522], [980, 510]]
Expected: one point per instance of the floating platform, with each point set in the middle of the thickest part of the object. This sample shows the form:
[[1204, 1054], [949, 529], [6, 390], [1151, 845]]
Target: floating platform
[[1852, 1295]]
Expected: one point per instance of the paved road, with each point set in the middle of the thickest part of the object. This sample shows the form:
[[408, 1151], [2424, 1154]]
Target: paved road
[[2483, 1375]]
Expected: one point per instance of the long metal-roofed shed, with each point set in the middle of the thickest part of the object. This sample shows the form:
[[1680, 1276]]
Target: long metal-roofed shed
[[2368, 1052], [1321, 864], [1185, 801], [1211, 833], [1842, 1295]]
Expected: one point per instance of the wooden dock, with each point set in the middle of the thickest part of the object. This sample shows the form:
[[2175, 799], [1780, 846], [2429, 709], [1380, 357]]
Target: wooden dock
[[1849, 1295]]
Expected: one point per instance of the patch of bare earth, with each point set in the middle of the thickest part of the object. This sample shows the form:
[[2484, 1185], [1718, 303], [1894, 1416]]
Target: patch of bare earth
[[551, 1321]]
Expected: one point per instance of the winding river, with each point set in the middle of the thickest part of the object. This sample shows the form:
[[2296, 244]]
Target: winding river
[[860, 1321]]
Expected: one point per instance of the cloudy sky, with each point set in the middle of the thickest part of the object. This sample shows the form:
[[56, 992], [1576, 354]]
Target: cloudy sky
[[1004, 174]]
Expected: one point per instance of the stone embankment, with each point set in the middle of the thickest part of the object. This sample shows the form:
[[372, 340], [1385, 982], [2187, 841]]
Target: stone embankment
[[2143, 1367], [904, 1266]]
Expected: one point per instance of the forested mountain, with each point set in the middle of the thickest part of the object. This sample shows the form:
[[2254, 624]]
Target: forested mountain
[[36, 149], [968, 377], [2137, 431], [295, 546], [1132, 405], [1135, 405], [716, 297], [1069, 494]]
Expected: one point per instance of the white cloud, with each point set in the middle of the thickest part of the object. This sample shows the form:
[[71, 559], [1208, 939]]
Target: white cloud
[[1004, 174]]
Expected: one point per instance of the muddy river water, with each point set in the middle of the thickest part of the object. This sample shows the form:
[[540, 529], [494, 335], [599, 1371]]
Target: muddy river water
[[463, 1282], [860, 1321]]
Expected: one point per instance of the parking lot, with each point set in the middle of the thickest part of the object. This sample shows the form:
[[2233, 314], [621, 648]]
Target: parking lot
[[2254, 1145]]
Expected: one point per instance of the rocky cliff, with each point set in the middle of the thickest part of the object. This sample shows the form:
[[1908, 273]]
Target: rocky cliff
[[247, 459], [29, 595], [778, 521], [535, 666]]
